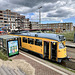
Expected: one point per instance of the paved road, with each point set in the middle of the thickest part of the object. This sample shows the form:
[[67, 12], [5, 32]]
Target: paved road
[[71, 49], [70, 44], [42, 67]]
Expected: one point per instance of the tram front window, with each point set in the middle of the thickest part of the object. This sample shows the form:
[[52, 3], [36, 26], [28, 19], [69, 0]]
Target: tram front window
[[61, 46]]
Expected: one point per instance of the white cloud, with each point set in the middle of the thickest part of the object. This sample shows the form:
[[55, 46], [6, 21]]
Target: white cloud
[[51, 9], [61, 20], [61, 10], [21, 9]]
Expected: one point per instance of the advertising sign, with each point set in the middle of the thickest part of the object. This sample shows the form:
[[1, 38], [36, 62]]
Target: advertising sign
[[13, 48]]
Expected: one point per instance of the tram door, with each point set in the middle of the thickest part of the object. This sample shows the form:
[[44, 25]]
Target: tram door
[[53, 50], [20, 42], [46, 49]]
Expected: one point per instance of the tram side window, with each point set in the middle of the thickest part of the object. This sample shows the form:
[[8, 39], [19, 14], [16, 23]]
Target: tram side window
[[38, 42], [24, 39], [30, 41]]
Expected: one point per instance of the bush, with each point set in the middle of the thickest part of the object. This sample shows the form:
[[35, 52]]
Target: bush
[[3, 56]]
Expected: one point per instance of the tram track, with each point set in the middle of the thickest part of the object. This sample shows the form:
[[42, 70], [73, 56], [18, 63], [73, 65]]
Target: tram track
[[71, 63], [71, 52]]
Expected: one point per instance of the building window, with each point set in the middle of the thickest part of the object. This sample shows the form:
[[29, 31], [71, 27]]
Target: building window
[[12, 13], [66, 24], [24, 39], [5, 15], [5, 21], [5, 12], [30, 41], [1, 21], [38, 42], [0, 11], [8, 16], [1, 18], [12, 16], [1, 15], [6, 25]]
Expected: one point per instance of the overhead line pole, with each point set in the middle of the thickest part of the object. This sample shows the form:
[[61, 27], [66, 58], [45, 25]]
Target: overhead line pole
[[40, 16]]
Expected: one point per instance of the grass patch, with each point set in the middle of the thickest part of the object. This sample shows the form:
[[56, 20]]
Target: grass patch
[[3, 56], [10, 59], [69, 35]]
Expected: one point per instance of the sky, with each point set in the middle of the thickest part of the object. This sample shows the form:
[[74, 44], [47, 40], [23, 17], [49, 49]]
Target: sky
[[52, 11]]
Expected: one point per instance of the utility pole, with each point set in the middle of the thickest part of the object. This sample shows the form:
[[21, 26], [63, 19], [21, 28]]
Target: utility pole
[[40, 16]]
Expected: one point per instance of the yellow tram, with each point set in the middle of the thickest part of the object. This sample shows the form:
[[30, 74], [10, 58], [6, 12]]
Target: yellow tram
[[50, 46]]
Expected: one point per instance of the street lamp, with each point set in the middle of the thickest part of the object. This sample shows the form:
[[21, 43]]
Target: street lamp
[[40, 16]]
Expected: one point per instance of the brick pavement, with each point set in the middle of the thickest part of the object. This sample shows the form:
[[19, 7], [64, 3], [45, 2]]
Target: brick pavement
[[39, 69]]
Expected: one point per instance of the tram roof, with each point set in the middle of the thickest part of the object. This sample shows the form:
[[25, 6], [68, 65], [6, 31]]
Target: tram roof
[[43, 35]]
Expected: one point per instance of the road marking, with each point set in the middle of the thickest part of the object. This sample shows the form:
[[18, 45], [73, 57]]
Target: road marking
[[45, 64]]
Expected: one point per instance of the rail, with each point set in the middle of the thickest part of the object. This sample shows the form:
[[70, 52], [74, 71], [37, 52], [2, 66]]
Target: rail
[[69, 64]]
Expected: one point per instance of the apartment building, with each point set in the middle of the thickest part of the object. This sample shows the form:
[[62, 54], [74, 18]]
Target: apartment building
[[35, 25], [20, 21], [7, 19], [54, 26], [12, 20], [26, 24]]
